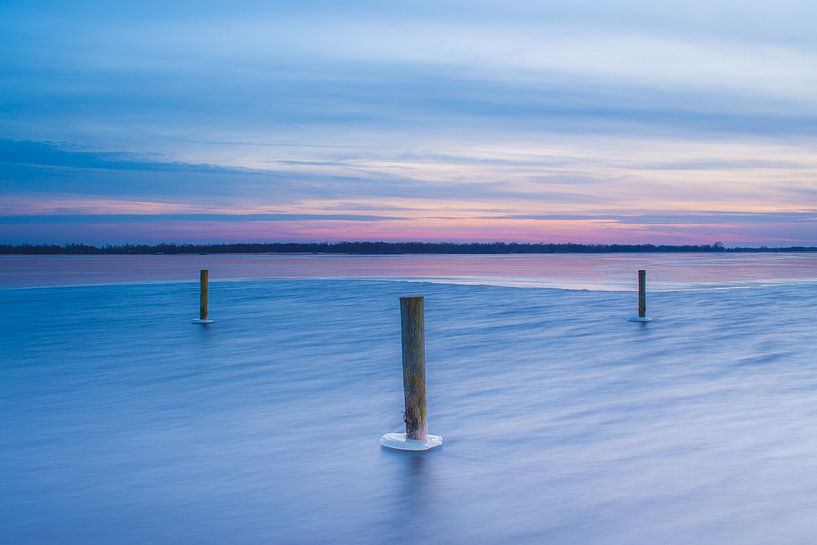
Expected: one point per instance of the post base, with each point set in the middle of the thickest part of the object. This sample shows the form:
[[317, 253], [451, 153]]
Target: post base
[[203, 322], [398, 441], [639, 319]]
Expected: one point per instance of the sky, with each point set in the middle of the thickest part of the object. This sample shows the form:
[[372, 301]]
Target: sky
[[669, 122]]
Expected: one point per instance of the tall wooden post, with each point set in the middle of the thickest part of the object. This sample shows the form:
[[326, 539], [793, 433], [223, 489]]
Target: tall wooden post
[[414, 366], [203, 298], [412, 325], [642, 294]]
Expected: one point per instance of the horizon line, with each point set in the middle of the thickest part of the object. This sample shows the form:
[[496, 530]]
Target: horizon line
[[378, 247]]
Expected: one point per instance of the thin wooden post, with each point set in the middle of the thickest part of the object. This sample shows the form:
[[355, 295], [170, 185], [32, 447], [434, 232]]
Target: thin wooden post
[[414, 366], [203, 298], [412, 325], [642, 293], [642, 298], [203, 302]]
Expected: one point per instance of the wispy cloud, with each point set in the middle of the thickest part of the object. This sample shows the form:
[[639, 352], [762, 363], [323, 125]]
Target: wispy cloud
[[701, 218], [189, 218]]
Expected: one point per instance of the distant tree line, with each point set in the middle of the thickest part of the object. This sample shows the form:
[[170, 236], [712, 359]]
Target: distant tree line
[[377, 248]]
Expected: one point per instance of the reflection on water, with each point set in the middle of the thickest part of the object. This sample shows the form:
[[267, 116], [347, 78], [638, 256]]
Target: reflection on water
[[413, 505], [573, 271]]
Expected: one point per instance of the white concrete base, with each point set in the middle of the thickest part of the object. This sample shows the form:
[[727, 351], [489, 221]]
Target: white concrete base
[[639, 319], [398, 441], [204, 322]]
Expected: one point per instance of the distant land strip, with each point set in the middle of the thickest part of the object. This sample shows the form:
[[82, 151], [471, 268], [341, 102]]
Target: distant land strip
[[375, 248]]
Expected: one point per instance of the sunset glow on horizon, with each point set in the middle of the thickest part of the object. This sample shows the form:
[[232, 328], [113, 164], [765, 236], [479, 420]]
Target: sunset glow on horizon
[[312, 121]]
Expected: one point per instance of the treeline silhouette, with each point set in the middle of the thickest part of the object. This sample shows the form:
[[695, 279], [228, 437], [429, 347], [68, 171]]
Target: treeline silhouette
[[381, 248]]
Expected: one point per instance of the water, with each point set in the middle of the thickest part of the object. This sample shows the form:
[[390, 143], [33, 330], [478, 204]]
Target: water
[[563, 423], [570, 271]]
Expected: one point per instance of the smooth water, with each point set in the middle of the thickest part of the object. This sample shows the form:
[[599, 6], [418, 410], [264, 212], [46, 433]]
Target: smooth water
[[570, 271], [123, 423]]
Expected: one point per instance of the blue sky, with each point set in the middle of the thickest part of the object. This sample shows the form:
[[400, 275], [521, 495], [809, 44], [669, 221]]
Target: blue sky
[[665, 122]]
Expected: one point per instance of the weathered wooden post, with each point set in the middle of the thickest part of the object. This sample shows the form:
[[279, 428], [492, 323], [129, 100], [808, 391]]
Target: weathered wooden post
[[414, 366], [642, 298], [203, 298], [414, 381]]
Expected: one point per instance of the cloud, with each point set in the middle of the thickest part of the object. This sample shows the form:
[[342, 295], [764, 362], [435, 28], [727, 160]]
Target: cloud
[[189, 218], [56, 154], [281, 70], [570, 118], [680, 218]]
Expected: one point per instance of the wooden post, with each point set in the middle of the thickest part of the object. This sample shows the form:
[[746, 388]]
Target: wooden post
[[642, 293], [203, 298], [412, 325], [414, 366]]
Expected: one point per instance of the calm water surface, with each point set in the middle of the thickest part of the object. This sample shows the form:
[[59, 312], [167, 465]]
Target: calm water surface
[[599, 271]]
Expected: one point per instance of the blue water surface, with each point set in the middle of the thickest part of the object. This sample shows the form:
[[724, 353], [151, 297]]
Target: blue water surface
[[123, 423]]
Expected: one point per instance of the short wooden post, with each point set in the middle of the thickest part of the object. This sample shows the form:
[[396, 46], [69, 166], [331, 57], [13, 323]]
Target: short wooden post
[[203, 278], [642, 293], [414, 366], [642, 298], [203, 298], [412, 325]]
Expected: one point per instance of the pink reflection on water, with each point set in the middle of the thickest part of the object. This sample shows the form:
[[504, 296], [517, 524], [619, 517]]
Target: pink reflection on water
[[589, 271]]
